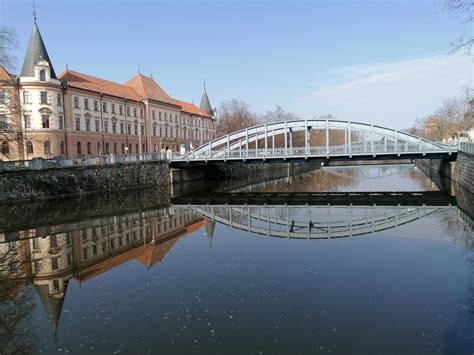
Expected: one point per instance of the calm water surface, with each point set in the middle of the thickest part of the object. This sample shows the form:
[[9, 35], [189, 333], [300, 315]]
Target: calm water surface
[[171, 281]]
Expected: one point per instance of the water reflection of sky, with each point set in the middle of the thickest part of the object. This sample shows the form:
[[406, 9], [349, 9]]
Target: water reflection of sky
[[402, 290]]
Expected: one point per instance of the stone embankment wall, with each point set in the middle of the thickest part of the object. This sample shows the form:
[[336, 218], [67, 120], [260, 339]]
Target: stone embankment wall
[[51, 183], [461, 171]]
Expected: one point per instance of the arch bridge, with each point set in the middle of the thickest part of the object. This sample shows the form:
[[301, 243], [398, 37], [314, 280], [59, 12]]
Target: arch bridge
[[313, 139]]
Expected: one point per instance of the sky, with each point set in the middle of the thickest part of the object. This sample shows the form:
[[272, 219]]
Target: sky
[[376, 61]]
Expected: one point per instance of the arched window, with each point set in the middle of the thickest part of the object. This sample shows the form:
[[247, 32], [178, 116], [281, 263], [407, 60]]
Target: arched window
[[115, 148], [89, 148], [5, 148], [107, 148], [29, 147], [129, 149], [123, 148], [79, 150], [62, 148], [47, 147], [42, 75], [136, 148]]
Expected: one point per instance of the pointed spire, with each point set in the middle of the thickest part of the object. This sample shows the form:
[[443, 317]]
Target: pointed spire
[[52, 305], [210, 226], [205, 104], [36, 51]]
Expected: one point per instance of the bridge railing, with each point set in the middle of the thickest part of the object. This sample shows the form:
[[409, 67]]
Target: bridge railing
[[466, 147], [61, 162], [357, 148]]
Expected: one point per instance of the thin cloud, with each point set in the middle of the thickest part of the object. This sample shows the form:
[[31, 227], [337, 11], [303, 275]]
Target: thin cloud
[[391, 94]]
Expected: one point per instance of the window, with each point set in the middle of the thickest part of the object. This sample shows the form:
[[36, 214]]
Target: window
[[44, 97], [94, 250], [97, 125], [26, 97], [53, 241], [58, 100], [161, 131], [171, 132], [63, 151], [60, 122], [106, 126], [104, 106], [115, 148], [54, 263], [113, 108], [129, 128], [79, 148], [5, 148], [98, 148], [130, 149], [37, 265], [120, 110], [159, 115], [89, 148], [141, 113], [88, 125], [29, 147], [176, 118], [142, 130], [166, 116], [114, 127], [84, 253], [123, 148], [136, 148], [121, 128], [96, 105], [47, 147], [42, 75], [107, 148], [27, 121], [45, 121], [153, 114], [86, 104], [128, 111], [134, 112], [76, 102], [135, 129], [154, 130]]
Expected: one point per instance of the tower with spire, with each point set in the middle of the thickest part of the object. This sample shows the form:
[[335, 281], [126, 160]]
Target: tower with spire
[[206, 104]]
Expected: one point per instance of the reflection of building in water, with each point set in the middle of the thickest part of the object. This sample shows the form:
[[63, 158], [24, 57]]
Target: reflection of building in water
[[50, 261]]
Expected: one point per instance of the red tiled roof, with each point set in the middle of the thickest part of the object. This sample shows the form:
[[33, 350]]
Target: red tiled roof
[[147, 88], [4, 74], [190, 108], [86, 82]]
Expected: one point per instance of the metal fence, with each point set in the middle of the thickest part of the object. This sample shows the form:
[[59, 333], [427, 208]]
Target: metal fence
[[466, 147], [61, 162]]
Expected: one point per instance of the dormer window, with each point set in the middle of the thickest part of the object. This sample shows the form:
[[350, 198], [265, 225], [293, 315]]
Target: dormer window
[[42, 75]]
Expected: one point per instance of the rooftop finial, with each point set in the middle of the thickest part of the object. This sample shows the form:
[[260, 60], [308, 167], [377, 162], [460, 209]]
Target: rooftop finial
[[34, 10]]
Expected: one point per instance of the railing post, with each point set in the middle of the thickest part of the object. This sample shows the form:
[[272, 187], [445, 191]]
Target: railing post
[[306, 138], [396, 143], [372, 138], [349, 139], [246, 142], [266, 140], [273, 142], [327, 138], [286, 138], [228, 146]]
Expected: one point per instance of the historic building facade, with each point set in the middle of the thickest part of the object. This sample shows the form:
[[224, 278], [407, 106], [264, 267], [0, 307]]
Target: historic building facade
[[74, 114]]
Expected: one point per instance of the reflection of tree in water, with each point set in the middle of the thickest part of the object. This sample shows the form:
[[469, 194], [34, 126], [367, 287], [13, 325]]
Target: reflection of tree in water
[[16, 333], [16, 301], [423, 182]]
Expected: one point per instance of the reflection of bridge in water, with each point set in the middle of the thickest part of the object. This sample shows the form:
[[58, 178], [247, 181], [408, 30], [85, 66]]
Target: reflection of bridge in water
[[316, 215]]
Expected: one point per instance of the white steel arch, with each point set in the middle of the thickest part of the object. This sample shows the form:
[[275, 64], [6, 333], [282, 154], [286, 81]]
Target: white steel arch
[[317, 139]]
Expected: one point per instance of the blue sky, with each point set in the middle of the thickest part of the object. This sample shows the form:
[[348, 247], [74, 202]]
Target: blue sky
[[374, 61]]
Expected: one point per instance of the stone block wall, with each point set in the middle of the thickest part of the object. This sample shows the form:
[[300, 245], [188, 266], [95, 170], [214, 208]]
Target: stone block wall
[[464, 171], [50, 183]]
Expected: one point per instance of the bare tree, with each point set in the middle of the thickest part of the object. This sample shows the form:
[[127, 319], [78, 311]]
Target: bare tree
[[235, 115], [8, 43], [278, 115], [465, 10]]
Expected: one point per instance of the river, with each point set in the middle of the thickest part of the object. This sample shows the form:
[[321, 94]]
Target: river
[[355, 273]]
